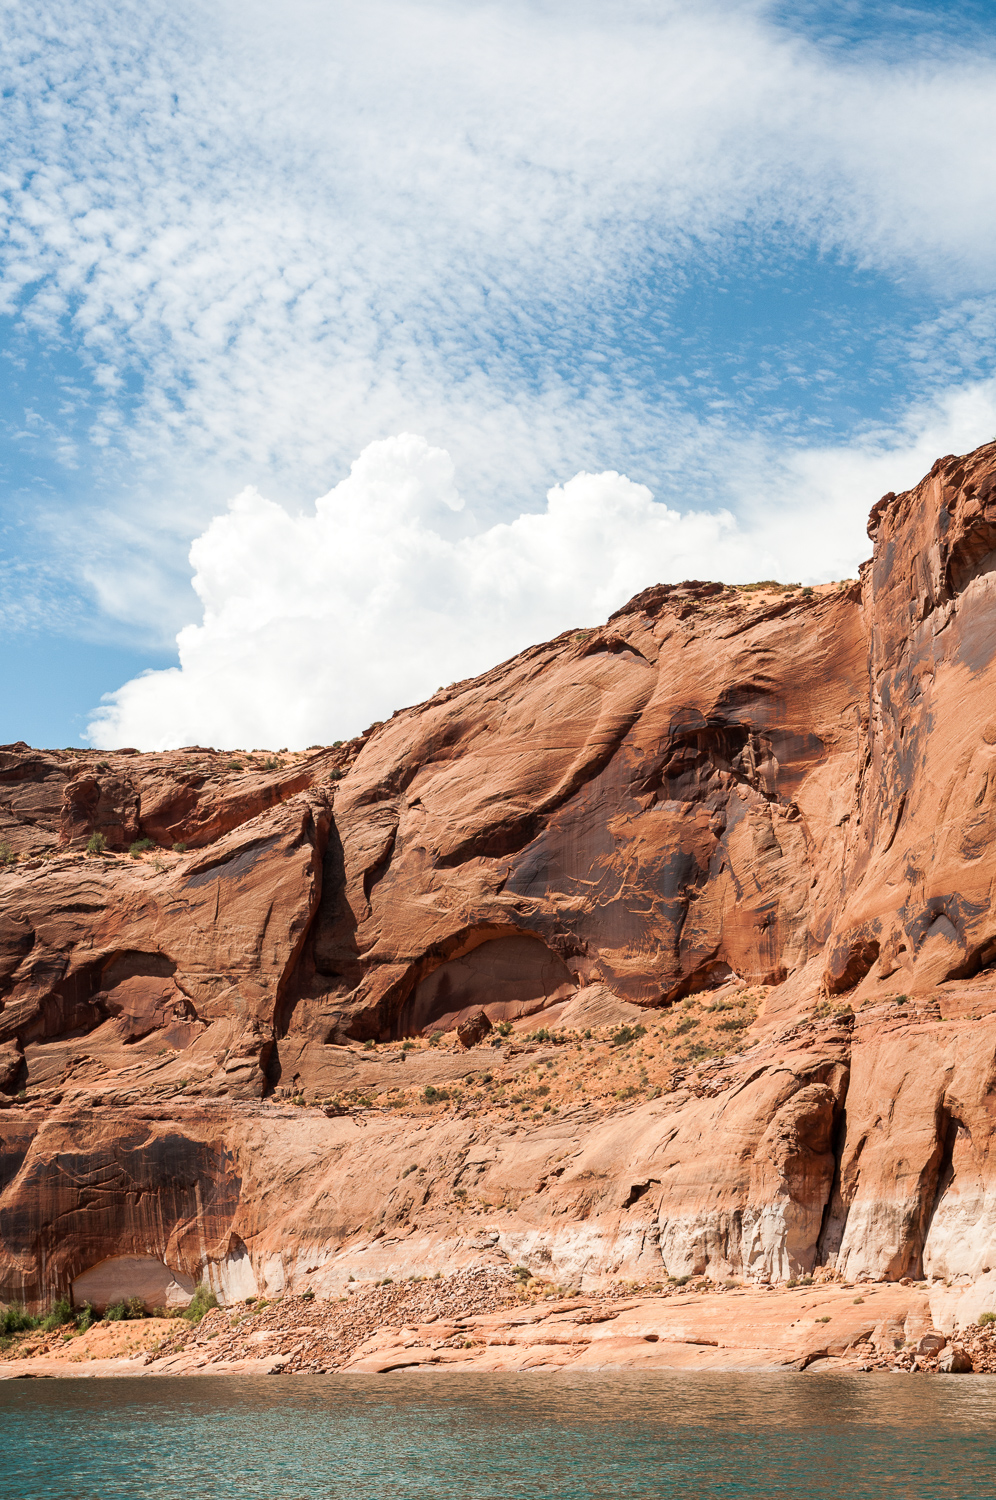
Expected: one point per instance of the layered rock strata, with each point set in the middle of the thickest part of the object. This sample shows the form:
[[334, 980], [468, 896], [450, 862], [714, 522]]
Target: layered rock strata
[[732, 852]]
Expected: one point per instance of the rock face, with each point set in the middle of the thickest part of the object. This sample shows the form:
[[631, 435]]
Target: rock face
[[770, 803]]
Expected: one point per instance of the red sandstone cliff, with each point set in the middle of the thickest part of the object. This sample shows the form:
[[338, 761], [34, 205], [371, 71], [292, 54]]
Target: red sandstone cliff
[[759, 821]]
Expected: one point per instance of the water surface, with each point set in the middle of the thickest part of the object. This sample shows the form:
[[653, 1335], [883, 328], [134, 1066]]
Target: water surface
[[499, 1437]]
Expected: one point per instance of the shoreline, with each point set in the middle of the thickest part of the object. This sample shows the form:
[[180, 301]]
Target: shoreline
[[448, 1324]]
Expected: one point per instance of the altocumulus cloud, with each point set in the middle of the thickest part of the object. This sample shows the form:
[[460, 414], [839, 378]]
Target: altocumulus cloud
[[315, 624], [269, 236]]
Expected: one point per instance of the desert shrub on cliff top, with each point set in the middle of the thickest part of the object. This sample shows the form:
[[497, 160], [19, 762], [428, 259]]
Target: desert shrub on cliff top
[[202, 1302]]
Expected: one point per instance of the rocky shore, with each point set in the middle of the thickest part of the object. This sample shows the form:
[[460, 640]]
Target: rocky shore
[[488, 1319]]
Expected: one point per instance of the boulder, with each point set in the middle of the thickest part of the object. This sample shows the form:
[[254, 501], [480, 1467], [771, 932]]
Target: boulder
[[931, 1344], [954, 1361], [474, 1029]]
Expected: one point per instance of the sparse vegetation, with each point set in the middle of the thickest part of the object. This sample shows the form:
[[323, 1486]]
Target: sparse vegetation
[[626, 1034], [96, 844], [767, 586], [139, 846], [179, 848], [986, 1318], [7, 855], [16, 1319], [201, 1302], [131, 1307], [61, 1314]]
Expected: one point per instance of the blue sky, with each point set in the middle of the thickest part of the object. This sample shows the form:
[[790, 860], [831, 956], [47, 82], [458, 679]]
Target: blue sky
[[741, 255]]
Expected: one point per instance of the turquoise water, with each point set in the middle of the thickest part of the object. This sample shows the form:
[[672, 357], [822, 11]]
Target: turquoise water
[[499, 1437]]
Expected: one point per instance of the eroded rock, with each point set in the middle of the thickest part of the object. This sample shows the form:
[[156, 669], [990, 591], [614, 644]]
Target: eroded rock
[[764, 818]]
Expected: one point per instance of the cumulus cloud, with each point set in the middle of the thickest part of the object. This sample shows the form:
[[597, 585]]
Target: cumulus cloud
[[316, 624]]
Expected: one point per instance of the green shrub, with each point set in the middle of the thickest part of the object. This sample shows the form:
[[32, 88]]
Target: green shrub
[[308, 1296], [96, 844], [201, 1302], [987, 1317], [16, 1319], [129, 1307], [629, 1034], [504, 1028], [85, 1317], [139, 846], [61, 1313], [180, 848], [432, 1095], [7, 855]]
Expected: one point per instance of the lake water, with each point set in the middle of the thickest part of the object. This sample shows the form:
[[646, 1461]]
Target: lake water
[[499, 1437]]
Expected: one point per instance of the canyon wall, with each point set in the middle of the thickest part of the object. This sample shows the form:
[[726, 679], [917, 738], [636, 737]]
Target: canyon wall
[[229, 1038]]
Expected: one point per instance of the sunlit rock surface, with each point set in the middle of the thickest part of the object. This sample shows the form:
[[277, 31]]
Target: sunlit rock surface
[[757, 824]]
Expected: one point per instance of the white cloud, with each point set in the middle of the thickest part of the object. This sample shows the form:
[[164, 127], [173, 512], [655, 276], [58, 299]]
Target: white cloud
[[304, 226], [274, 234], [314, 625]]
